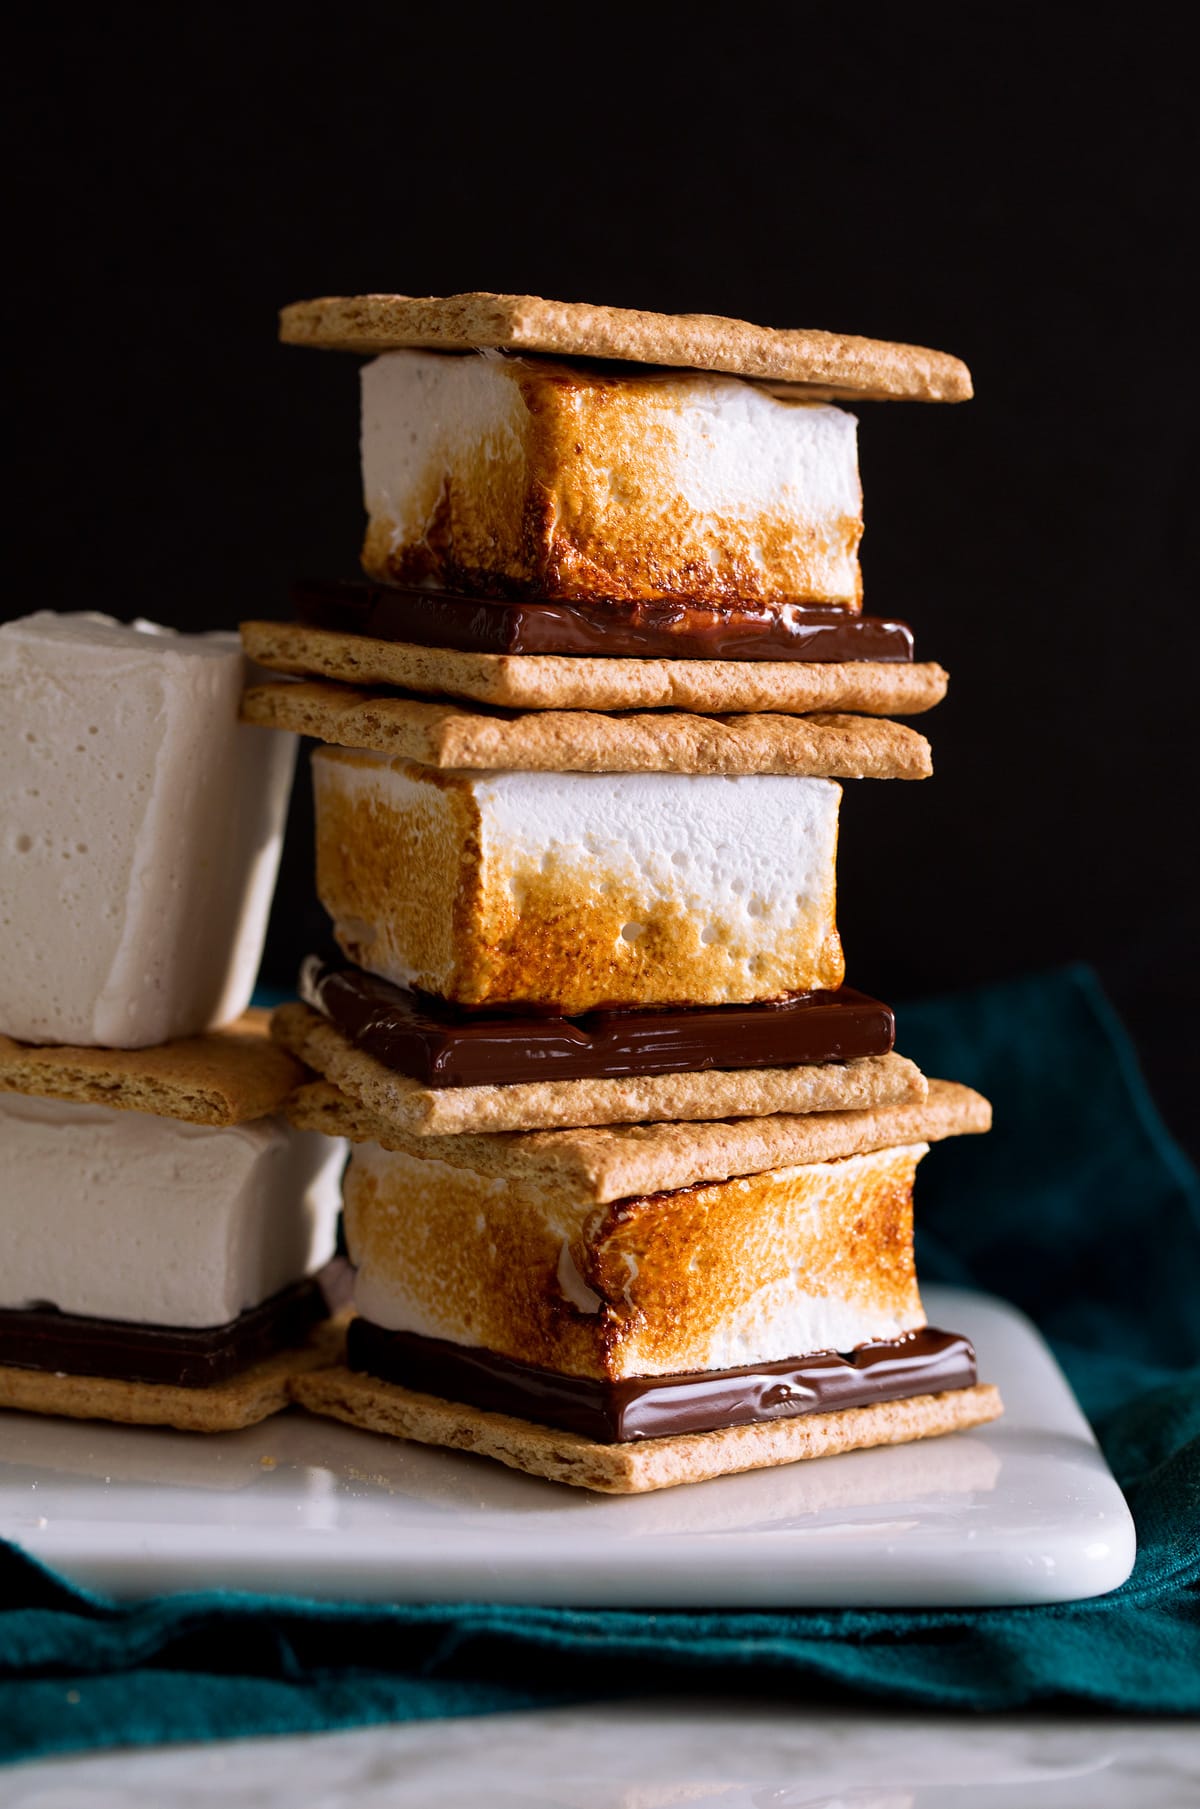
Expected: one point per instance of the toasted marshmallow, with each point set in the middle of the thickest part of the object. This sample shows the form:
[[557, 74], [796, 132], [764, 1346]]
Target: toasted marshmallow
[[749, 1270], [524, 476], [123, 1215], [579, 889], [140, 831]]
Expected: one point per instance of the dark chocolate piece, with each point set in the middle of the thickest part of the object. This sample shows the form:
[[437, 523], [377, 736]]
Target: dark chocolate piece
[[445, 1045], [614, 1413], [667, 628], [177, 1356]]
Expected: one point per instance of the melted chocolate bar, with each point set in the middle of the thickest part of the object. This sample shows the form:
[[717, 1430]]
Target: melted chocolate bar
[[448, 1046], [613, 1413], [666, 628], [175, 1355]]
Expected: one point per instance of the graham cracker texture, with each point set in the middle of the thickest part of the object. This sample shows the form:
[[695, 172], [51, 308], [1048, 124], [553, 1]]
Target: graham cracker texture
[[638, 1467], [542, 681], [223, 1077], [628, 1161], [244, 1400], [405, 1105], [583, 741], [825, 366]]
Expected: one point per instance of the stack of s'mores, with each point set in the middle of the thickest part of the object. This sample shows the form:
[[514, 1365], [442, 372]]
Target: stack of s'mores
[[630, 1198], [167, 1236]]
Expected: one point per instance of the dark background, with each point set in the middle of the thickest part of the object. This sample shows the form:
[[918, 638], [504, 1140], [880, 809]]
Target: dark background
[[1019, 200]]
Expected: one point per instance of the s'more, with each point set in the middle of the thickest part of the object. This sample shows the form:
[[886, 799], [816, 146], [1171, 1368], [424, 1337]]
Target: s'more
[[630, 1194], [167, 1236], [582, 508]]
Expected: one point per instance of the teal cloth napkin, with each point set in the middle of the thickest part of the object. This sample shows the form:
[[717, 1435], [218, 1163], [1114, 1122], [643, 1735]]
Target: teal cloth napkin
[[1079, 1207]]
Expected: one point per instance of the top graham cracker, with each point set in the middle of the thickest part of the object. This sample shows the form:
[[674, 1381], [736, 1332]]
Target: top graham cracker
[[625, 1161], [221, 1077], [826, 366]]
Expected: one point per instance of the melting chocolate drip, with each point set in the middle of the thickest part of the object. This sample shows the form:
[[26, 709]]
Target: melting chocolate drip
[[613, 1413], [448, 1046], [668, 628], [175, 1355]]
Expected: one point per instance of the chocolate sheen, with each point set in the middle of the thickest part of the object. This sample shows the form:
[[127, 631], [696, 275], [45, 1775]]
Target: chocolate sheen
[[664, 628], [613, 1413], [445, 1045], [179, 1356]]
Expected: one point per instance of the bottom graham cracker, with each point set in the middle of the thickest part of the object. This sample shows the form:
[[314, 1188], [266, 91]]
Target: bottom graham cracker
[[258, 1392], [635, 1468]]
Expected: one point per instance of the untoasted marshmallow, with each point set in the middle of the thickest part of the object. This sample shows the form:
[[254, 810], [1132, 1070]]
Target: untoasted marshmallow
[[579, 889], [506, 475], [749, 1270], [140, 831], [123, 1215]]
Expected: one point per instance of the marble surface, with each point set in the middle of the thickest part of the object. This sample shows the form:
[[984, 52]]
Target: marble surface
[[653, 1755]]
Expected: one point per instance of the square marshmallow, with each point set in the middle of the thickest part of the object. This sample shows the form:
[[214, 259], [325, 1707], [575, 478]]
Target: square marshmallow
[[579, 889], [511, 475], [124, 1215], [750, 1270], [140, 831]]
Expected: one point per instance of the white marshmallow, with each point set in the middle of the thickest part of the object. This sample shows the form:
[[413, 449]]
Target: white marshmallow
[[123, 1215], [568, 481], [747, 1270], [579, 888], [140, 831]]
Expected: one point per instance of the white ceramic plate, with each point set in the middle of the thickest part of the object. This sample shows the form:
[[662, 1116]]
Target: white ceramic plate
[[1024, 1510]]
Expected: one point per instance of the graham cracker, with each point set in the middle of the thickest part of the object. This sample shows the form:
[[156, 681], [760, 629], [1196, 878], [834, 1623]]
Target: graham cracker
[[259, 1391], [583, 741], [545, 681], [821, 366], [645, 1464], [222, 1077], [406, 1105], [631, 1160]]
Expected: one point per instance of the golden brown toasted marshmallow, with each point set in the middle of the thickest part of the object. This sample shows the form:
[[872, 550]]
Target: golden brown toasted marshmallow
[[579, 889], [752, 1269], [511, 476]]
